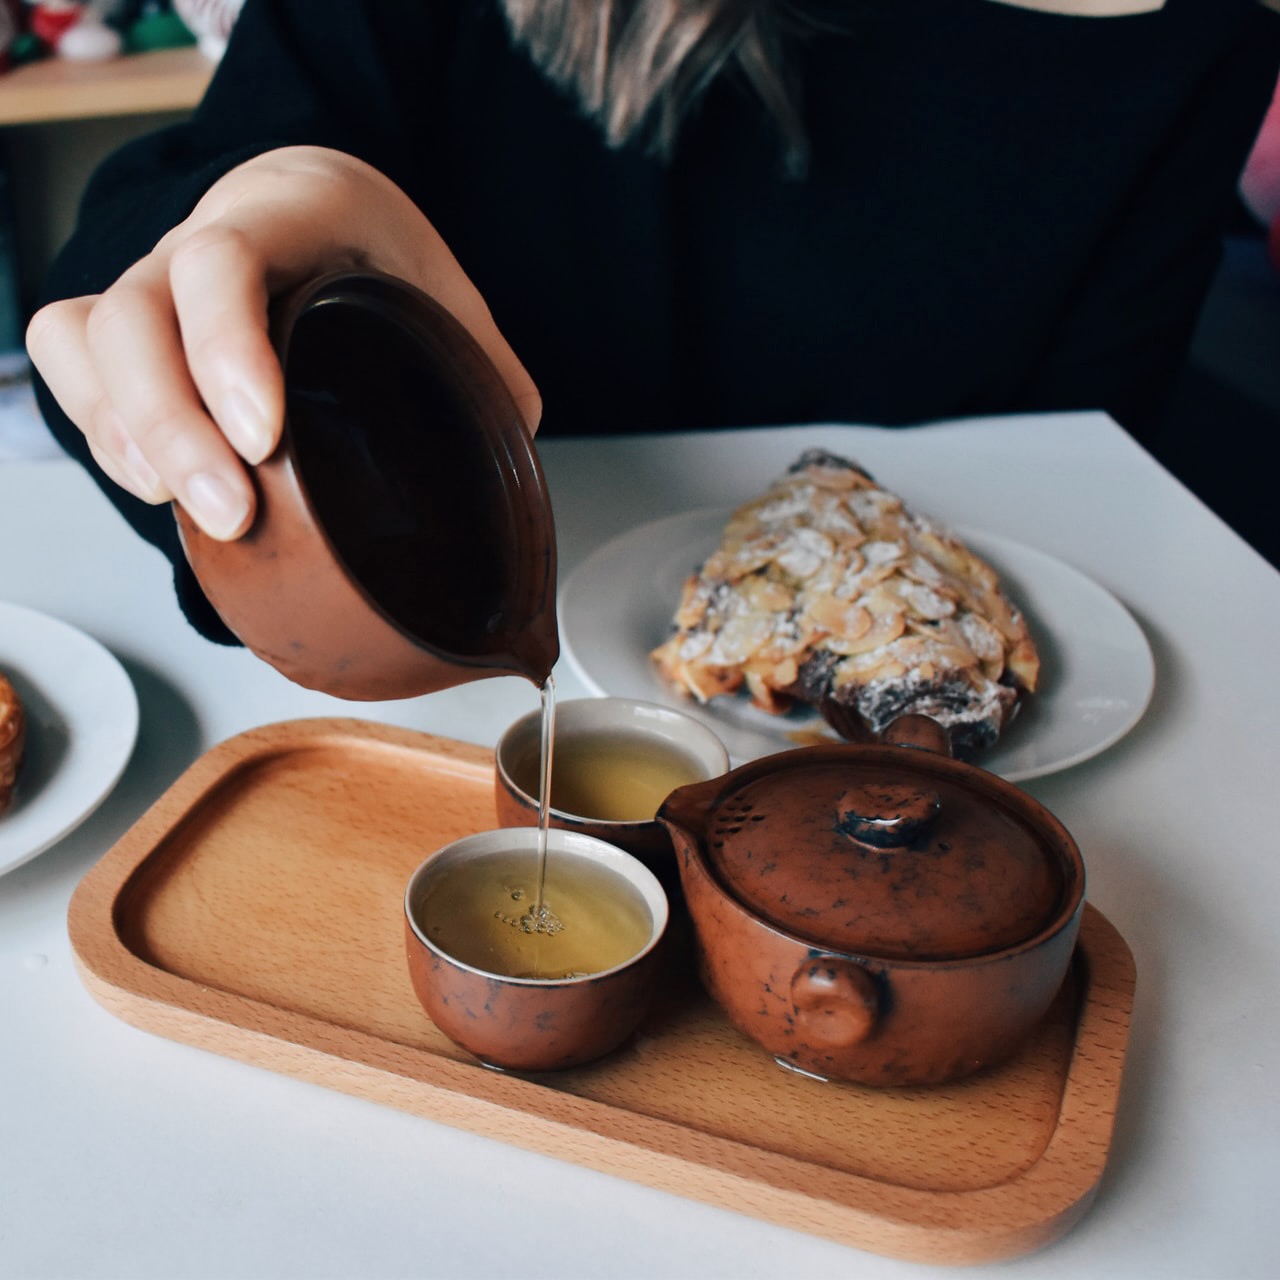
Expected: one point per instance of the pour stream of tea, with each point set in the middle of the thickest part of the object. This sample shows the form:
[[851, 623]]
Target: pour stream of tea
[[413, 484], [544, 918], [540, 918], [414, 487]]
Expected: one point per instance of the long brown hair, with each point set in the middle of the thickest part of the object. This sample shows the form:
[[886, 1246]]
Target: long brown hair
[[639, 67]]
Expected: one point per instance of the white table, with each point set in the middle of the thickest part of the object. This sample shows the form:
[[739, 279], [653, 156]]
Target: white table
[[122, 1154]]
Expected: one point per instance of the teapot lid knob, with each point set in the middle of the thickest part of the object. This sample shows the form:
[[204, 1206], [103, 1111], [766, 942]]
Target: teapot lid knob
[[886, 814]]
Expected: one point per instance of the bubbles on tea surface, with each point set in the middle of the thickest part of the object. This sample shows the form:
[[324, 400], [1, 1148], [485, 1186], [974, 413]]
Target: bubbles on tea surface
[[535, 920], [481, 913], [542, 920]]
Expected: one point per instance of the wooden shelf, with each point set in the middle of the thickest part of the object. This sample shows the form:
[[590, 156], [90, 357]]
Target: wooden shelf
[[56, 89]]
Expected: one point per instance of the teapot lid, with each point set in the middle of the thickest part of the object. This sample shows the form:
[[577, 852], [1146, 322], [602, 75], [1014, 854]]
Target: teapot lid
[[888, 851]]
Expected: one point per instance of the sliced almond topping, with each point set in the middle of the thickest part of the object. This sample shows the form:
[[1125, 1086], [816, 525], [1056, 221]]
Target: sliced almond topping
[[745, 561], [706, 682], [766, 595], [804, 553], [924, 601], [1024, 663], [693, 644], [922, 569], [739, 637], [785, 673], [890, 670], [946, 551], [981, 637], [847, 621], [766, 698], [829, 566], [833, 478], [790, 637], [954, 657], [844, 575], [882, 551], [693, 605], [885, 628], [875, 509]]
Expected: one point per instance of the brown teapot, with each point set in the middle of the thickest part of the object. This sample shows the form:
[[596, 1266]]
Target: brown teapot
[[878, 913]]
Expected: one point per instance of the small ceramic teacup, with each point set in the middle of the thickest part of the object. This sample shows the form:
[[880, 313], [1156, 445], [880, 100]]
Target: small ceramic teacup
[[614, 762], [528, 990]]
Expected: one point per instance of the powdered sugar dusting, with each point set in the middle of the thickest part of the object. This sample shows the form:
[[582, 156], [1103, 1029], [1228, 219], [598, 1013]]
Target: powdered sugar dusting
[[827, 587]]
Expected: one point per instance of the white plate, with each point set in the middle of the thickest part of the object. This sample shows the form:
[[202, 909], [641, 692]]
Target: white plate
[[82, 722], [1096, 665]]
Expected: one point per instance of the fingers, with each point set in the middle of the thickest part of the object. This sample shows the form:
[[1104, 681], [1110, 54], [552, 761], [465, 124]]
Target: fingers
[[296, 211], [135, 346], [58, 346], [118, 359], [125, 476], [117, 454], [218, 285], [171, 374]]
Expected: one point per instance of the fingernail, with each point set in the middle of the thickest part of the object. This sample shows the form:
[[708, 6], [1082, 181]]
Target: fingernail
[[141, 470], [218, 508], [244, 425]]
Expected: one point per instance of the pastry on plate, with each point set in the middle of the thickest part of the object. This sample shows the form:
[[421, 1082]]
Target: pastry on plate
[[13, 733], [828, 591]]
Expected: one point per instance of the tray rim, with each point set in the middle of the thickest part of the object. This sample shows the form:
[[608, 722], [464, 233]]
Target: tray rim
[[985, 1224]]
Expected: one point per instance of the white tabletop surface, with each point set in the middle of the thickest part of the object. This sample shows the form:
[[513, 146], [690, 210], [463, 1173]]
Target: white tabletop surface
[[123, 1154]]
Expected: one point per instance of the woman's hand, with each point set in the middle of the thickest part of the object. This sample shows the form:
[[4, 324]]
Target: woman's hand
[[171, 374]]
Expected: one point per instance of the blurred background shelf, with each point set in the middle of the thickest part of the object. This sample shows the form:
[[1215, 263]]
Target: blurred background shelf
[[58, 89], [59, 118]]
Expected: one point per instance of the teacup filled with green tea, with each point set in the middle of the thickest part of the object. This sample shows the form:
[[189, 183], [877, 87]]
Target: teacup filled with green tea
[[614, 761], [527, 974]]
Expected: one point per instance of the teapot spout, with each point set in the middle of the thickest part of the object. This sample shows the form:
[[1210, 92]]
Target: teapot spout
[[685, 811]]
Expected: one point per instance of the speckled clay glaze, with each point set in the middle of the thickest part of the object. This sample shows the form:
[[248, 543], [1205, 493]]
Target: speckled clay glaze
[[877, 913], [524, 1024], [291, 590]]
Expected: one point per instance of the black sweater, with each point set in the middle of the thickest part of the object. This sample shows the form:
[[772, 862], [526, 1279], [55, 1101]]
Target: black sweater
[[1004, 210]]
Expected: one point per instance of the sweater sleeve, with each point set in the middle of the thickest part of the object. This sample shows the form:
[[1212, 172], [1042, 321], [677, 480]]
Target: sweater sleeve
[[359, 78]]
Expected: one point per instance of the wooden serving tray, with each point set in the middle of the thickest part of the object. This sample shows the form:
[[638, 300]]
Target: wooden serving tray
[[256, 910]]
